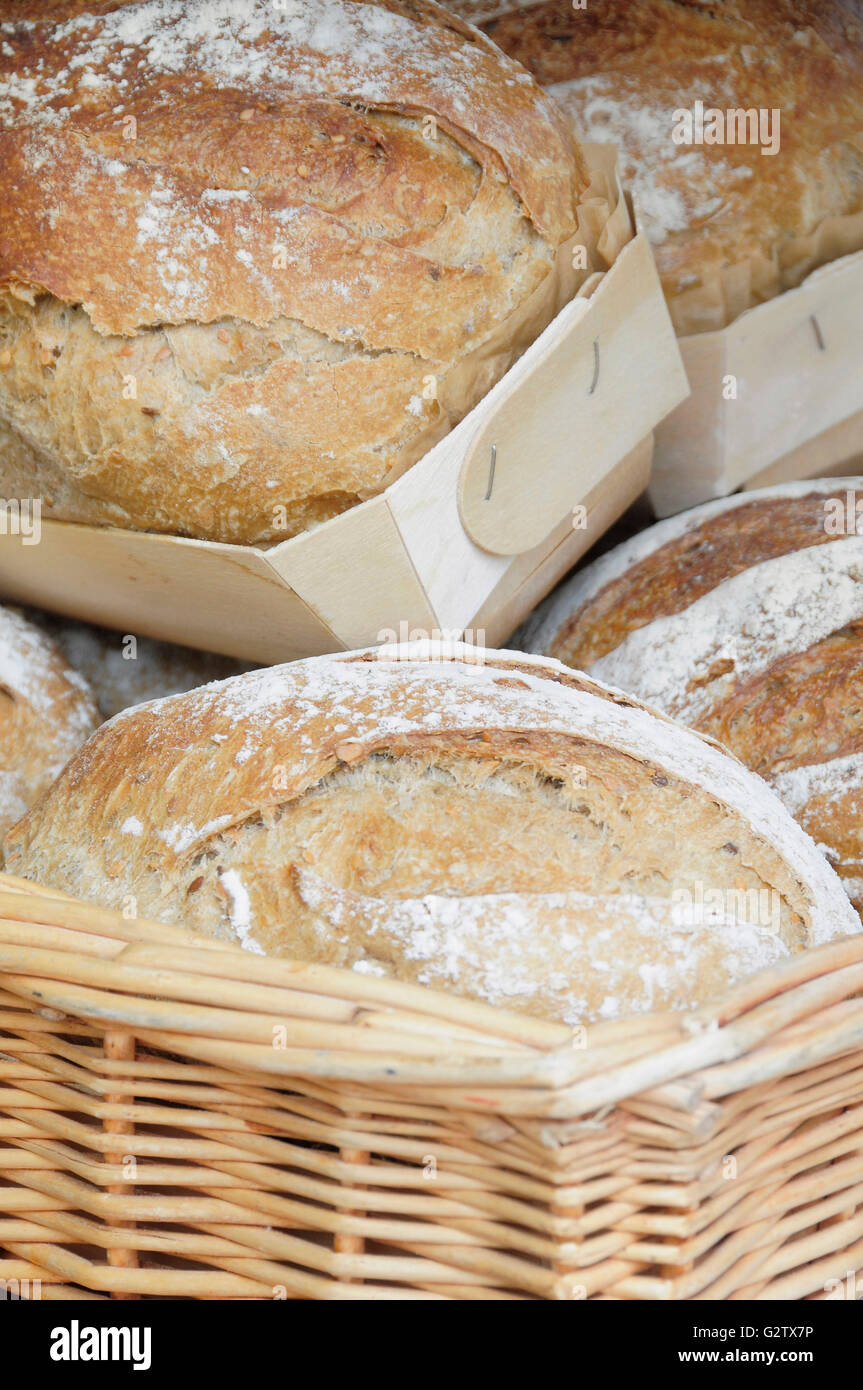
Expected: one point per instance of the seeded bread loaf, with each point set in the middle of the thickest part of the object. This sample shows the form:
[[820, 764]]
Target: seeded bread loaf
[[744, 618], [257, 259], [477, 821], [730, 227], [46, 712]]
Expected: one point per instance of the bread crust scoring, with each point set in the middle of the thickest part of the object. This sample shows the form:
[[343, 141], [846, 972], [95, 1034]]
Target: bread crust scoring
[[247, 250], [482, 822], [744, 618]]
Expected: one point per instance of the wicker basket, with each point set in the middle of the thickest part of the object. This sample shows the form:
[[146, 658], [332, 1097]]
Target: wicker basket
[[182, 1119]]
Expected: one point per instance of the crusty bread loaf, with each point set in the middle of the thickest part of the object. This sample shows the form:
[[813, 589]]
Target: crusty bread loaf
[[122, 673], [477, 821], [46, 712], [257, 259], [730, 227], [745, 619]]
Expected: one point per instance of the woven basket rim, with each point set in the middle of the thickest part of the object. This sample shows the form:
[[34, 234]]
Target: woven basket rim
[[214, 1001]]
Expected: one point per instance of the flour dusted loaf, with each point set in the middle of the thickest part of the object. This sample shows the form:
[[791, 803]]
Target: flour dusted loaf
[[256, 259], [46, 712], [479, 821], [745, 619], [730, 227], [121, 673]]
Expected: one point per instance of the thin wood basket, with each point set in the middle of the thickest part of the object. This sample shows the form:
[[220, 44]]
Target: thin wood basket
[[182, 1119], [775, 396], [466, 541]]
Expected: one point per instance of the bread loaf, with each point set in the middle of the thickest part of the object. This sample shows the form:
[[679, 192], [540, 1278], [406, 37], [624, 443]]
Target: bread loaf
[[479, 821], [46, 712], [745, 619], [256, 259], [123, 669], [730, 227]]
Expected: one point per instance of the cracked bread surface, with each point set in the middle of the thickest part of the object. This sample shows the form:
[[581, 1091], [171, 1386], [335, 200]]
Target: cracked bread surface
[[256, 261], [478, 821], [744, 619]]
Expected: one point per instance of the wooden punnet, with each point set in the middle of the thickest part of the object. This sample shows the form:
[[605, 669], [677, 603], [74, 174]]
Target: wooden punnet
[[182, 1119], [468, 540], [776, 396]]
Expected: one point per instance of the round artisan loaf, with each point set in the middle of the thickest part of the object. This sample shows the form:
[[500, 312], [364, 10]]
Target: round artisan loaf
[[744, 618], [256, 259], [730, 227], [46, 712], [123, 669], [476, 821]]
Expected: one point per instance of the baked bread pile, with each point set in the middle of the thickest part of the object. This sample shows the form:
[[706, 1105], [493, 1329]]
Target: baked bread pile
[[730, 227], [743, 618], [47, 710], [476, 821], [257, 259]]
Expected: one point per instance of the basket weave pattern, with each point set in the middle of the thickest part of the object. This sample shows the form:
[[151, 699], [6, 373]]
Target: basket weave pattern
[[182, 1119]]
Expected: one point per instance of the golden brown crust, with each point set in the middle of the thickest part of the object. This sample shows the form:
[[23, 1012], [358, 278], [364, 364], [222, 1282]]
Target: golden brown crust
[[46, 712], [805, 712], [802, 704], [728, 224], [446, 821], [243, 240], [742, 621], [672, 577]]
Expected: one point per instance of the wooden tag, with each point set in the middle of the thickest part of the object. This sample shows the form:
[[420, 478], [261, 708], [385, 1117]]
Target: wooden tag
[[542, 450]]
